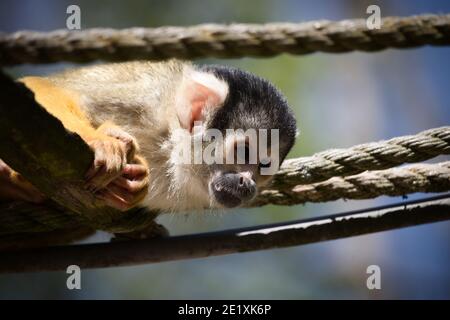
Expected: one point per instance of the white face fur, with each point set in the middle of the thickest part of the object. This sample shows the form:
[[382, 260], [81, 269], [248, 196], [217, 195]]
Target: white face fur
[[181, 186], [188, 184]]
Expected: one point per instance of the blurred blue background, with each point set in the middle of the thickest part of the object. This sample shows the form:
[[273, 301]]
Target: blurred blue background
[[340, 100]]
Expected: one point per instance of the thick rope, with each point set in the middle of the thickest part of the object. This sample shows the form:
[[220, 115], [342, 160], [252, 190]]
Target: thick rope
[[224, 41], [367, 185], [23, 217], [370, 156]]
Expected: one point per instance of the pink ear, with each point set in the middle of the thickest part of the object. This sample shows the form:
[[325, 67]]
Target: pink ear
[[200, 92], [200, 98]]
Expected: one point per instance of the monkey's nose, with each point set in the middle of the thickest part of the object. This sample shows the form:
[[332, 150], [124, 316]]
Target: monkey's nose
[[244, 177], [246, 187], [232, 189]]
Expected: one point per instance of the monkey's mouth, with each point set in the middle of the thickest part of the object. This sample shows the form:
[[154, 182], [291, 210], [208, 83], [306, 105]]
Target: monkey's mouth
[[229, 197], [226, 199], [222, 196], [232, 189]]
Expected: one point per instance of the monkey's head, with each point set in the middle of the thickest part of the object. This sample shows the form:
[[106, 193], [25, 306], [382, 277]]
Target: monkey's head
[[243, 128]]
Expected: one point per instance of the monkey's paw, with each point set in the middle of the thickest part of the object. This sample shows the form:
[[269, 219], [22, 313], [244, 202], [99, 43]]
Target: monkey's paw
[[112, 151], [129, 189], [14, 187]]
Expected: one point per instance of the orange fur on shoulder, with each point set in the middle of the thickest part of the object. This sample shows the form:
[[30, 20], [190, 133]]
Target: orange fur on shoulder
[[63, 104]]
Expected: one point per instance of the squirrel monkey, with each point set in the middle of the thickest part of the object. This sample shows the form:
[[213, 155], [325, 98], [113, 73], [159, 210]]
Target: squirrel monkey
[[136, 115]]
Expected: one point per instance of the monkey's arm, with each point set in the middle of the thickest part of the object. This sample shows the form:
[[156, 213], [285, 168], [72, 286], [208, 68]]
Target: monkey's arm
[[64, 105], [115, 163]]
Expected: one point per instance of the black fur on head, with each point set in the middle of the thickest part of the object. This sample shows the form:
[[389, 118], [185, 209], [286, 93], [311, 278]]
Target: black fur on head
[[253, 102]]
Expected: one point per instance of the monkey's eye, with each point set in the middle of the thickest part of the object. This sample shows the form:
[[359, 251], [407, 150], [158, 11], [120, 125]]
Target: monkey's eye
[[266, 163]]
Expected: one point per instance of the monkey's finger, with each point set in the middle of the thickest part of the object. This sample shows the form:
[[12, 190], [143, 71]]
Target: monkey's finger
[[129, 142], [99, 159], [138, 197], [97, 165], [130, 185], [105, 153], [91, 184], [113, 200], [130, 191], [102, 179], [121, 193], [135, 170], [132, 198], [109, 161], [114, 166], [90, 173]]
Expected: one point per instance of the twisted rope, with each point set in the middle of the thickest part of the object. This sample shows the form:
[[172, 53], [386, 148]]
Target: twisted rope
[[370, 156], [223, 41], [370, 184], [21, 217]]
